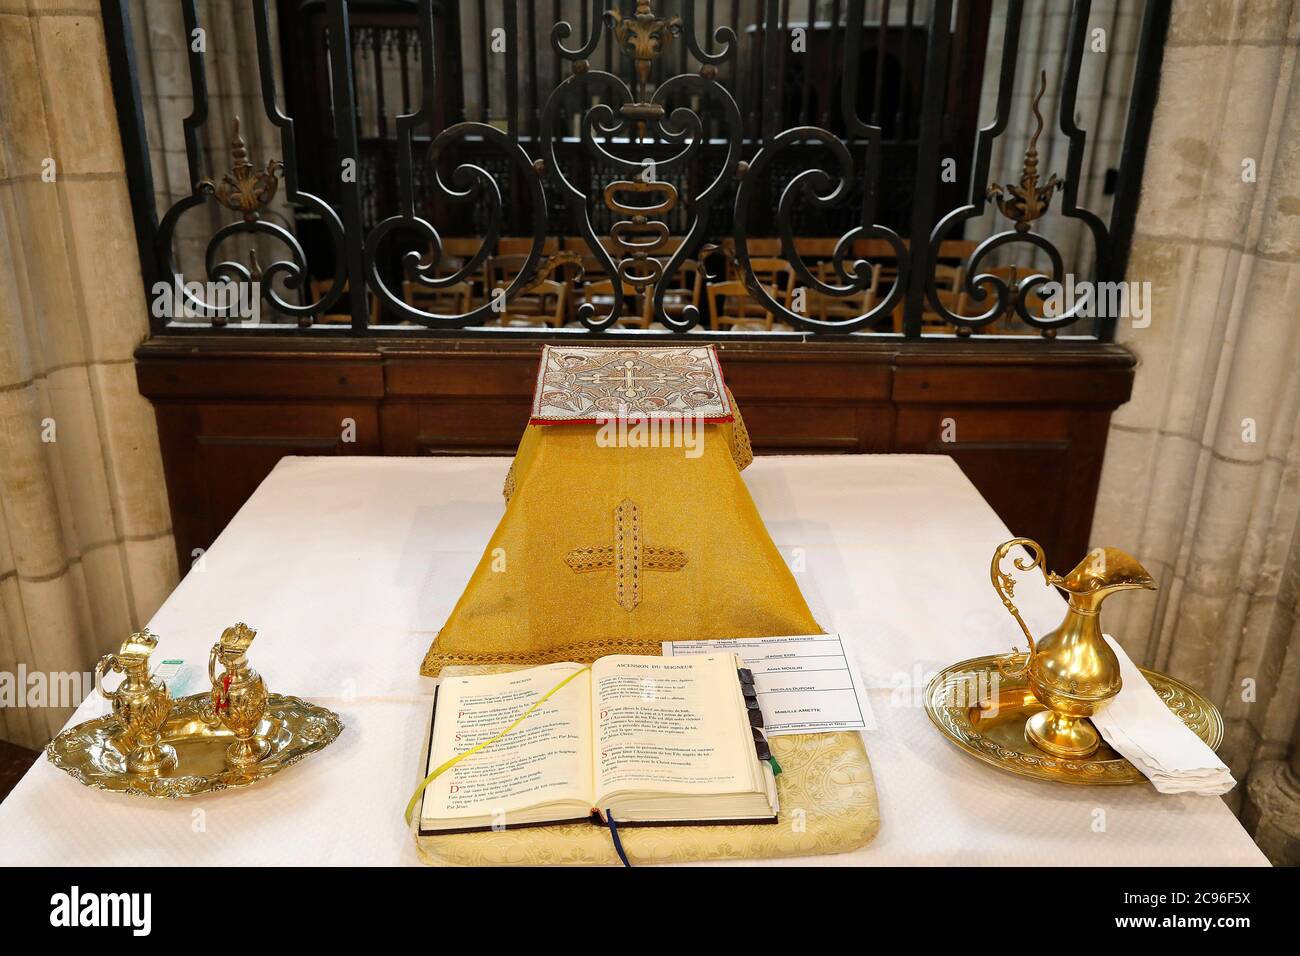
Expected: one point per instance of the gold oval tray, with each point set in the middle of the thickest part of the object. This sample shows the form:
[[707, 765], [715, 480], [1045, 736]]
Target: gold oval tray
[[91, 751], [959, 701]]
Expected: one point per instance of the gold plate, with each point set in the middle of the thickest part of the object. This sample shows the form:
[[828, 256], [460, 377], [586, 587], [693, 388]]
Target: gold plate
[[92, 753], [956, 701]]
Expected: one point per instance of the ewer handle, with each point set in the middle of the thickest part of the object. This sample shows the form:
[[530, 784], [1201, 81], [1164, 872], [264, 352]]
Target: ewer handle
[[106, 663], [1005, 585]]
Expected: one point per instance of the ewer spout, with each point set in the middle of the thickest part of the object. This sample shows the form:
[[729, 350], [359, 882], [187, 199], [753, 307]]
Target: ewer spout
[[1101, 573]]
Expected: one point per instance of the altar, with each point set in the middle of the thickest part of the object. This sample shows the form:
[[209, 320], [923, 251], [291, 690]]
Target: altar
[[346, 566]]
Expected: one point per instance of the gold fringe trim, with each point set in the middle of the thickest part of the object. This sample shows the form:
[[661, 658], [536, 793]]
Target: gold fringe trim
[[583, 652], [742, 452], [508, 490]]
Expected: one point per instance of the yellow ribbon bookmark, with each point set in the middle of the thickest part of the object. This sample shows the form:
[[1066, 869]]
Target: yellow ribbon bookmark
[[443, 768]]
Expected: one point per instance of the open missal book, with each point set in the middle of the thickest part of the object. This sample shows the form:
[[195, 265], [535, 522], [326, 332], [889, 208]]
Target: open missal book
[[650, 740]]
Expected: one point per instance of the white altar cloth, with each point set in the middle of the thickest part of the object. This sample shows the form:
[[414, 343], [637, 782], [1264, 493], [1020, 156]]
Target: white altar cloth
[[347, 566]]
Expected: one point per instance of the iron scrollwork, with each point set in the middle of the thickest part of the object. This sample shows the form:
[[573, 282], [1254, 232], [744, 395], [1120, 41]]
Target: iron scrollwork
[[1027, 201], [243, 189], [641, 232], [630, 112], [248, 192], [468, 183], [1023, 204], [823, 188], [644, 37]]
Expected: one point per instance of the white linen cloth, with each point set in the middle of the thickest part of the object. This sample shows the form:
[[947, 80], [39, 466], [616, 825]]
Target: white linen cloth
[[347, 566], [1138, 725]]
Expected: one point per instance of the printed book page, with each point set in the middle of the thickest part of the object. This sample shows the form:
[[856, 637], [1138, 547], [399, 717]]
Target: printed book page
[[545, 759], [670, 726]]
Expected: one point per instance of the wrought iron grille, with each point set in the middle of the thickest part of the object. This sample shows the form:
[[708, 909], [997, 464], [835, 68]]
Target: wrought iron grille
[[661, 159]]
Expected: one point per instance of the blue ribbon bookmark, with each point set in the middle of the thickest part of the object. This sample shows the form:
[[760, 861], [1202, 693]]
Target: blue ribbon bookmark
[[613, 833]]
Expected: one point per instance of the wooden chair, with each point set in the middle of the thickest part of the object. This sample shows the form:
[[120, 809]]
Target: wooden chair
[[764, 249], [461, 247], [810, 249], [947, 281], [522, 245], [338, 313], [759, 249], [948, 275], [450, 300], [873, 249], [456, 251], [730, 304], [956, 250], [832, 308], [544, 303], [687, 289], [511, 253], [600, 293]]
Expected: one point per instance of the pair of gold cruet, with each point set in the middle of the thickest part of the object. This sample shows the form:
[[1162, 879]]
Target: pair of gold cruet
[[141, 703]]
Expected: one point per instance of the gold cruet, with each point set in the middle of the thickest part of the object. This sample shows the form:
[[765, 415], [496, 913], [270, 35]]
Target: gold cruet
[[140, 704], [238, 696]]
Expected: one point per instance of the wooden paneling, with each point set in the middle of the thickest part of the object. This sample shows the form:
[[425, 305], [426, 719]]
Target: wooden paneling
[[1026, 421], [215, 454], [15, 761]]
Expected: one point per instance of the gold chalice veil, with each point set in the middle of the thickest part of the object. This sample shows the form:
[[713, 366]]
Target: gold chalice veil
[[615, 539]]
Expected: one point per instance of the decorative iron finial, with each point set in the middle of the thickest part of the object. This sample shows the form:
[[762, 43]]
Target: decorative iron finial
[[1028, 201], [242, 190], [643, 37]]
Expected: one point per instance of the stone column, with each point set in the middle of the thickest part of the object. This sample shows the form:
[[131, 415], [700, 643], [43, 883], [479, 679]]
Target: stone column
[[86, 552], [1272, 813], [1202, 472]]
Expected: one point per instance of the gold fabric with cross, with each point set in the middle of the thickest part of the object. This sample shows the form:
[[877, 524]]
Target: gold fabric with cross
[[606, 549], [627, 557]]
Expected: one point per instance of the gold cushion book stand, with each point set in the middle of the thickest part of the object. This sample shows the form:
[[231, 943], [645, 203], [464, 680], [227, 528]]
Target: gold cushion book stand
[[627, 524]]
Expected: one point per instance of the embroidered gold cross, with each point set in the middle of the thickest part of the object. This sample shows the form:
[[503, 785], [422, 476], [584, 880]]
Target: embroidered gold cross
[[624, 378], [628, 557]]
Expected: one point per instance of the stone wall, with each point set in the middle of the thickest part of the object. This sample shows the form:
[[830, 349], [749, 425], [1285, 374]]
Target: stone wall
[[86, 551], [1202, 472]]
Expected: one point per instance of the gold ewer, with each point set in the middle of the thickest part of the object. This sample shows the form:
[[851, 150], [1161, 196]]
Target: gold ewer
[[1072, 669], [140, 704], [238, 696]]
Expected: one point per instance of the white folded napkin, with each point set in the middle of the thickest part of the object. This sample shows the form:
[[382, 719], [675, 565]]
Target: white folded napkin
[[1137, 724]]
